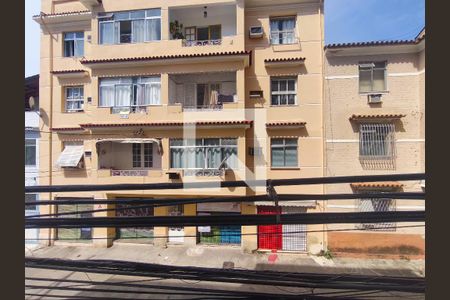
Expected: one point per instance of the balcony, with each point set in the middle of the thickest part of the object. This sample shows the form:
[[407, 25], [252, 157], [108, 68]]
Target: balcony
[[129, 157], [202, 91], [203, 25]]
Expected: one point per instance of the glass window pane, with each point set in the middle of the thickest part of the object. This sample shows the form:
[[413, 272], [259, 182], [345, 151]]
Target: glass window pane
[[291, 142], [231, 141], [30, 152], [140, 14], [291, 156], [153, 12], [275, 86], [277, 142], [283, 85], [283, 99], [79, 48], [107, 33], [153, 32], [365, 78], [68, 48], [214, 142], [122, 15], [79, 35], [291, 99], [291, 85], [378, 80], [275, 100], [277, 157], [138, 30]]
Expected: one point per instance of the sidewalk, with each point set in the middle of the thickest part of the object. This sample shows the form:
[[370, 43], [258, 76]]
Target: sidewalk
[[232, 257]]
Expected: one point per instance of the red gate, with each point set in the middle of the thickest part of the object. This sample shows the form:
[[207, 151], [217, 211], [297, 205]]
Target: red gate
[[269, 236]]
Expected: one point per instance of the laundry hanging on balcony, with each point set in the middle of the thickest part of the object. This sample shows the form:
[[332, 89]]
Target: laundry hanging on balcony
[[71, 157]]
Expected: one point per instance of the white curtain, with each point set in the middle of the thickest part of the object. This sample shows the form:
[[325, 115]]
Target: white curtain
[[138, 30], [107, 33], [107, 96], [288, 24], [154, 90], [153, 29], [123, 95]]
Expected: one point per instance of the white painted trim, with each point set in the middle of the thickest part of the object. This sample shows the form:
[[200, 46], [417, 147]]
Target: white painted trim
[[410, 207], [406, 73], [357, 141]]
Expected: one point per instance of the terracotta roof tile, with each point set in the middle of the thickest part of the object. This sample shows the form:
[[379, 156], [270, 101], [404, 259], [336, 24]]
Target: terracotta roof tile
[[285, 123], [289, 59], [372, 43], [66, 129], [68, 13], [376, 116], [157, 124], [383, 184], [147, 58], [67, 71]]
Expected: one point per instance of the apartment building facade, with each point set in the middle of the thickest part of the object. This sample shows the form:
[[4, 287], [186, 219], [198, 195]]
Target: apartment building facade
[[375, 124], [32, 135], [182, 91]]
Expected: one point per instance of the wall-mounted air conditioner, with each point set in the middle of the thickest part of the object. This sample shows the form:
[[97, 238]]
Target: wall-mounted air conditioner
[[374, 98], [255, 32], [256, 94]]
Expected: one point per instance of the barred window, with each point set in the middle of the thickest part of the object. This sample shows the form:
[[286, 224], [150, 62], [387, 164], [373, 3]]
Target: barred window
[[74, 98], [376, 205], [284, 91], [372, 77], [377, 140], [136, 155]]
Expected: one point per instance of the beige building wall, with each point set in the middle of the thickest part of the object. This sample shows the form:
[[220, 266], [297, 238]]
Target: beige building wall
[[249, 71], [405, 96]]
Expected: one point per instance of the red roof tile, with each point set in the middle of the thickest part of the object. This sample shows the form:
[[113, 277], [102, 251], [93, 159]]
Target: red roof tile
[[158, 124], [376, 116], [67, 71], [289, 59], [285, 123], [66, 129], [68, 13], [391, 184], [146, 58]]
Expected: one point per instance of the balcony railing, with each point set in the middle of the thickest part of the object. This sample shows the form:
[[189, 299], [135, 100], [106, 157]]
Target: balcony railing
[[202, 107], [129, 172], [203, 172], [187, 43]]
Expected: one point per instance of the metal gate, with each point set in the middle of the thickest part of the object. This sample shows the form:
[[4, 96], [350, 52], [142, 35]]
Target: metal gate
[[269, 236], [294, 235]]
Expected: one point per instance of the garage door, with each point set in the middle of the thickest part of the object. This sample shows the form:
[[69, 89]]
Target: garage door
[[269, 236], [294, 235]]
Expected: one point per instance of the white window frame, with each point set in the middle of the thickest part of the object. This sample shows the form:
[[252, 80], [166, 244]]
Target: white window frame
[[186, 145], [75, 42], [287, 92], [278, 32], [110, 18], [135, 81], [283, 146], [144, 161], [35, 151], [79, 99], [383, 139], [371, 66]]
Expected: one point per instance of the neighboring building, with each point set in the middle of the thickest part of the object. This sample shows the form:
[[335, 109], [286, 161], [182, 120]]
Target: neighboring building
[[121, 79], [31, 150], [375, 124]]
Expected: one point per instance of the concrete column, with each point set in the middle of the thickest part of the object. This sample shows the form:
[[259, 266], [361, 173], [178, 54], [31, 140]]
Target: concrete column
[[165, 23], [164, 89], [240, 87], [249, 243], [190, 210], [240, 22], [103, 237], [160, 233]]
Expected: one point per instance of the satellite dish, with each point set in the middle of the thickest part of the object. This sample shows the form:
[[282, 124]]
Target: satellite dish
[[32, 102]]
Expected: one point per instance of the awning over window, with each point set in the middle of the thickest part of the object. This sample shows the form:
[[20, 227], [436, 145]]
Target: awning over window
[[70, 157], [131, 141], [307, 203]]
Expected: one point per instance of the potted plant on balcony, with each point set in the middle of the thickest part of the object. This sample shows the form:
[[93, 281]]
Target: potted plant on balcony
[[176, 29]]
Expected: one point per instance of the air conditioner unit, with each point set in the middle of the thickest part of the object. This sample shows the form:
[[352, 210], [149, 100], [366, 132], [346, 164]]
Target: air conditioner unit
[[374, 98], [256, 94], [255, 32]]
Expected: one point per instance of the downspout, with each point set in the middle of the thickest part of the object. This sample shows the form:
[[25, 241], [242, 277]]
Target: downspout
[[324, 159]]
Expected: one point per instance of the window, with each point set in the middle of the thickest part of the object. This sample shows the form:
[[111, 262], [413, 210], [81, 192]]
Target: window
[[203, 153], [130, 92], [282, 30], [75, 234], [142, 155], [29, 198], [189, 33], [376, 205], [372, 77], [284, 91], [130, 27], [30, 152], [74, 99], [73, 44], [284, 152], [377, 140]]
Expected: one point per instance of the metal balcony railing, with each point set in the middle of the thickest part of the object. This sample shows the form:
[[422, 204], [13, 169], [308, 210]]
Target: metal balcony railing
[[187, 43]]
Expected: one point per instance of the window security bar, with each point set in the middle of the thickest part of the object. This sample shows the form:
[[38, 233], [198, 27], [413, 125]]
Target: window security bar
[[377, 141]]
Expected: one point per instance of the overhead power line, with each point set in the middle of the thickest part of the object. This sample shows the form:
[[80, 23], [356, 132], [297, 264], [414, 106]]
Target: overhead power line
[[223, 184], [223, 220]]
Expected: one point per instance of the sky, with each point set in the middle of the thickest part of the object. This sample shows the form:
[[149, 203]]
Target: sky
[[345, 21]]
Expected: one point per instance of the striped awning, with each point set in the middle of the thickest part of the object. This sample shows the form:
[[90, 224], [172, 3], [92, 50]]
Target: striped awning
[[70, 157], [131, 141]]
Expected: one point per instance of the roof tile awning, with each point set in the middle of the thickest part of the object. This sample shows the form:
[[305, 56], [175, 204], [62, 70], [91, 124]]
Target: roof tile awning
[[383, 184], [70, 73], [285, 124], [357, 117], [174, 58], [208, 124], [60, 129], [70, 16], [70, 157], [307, 203], [284, 62]]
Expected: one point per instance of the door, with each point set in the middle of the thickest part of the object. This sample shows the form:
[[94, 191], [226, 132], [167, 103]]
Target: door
[[176, 234], [294, 235], [203, 33], [269, 236], [202, 95]]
